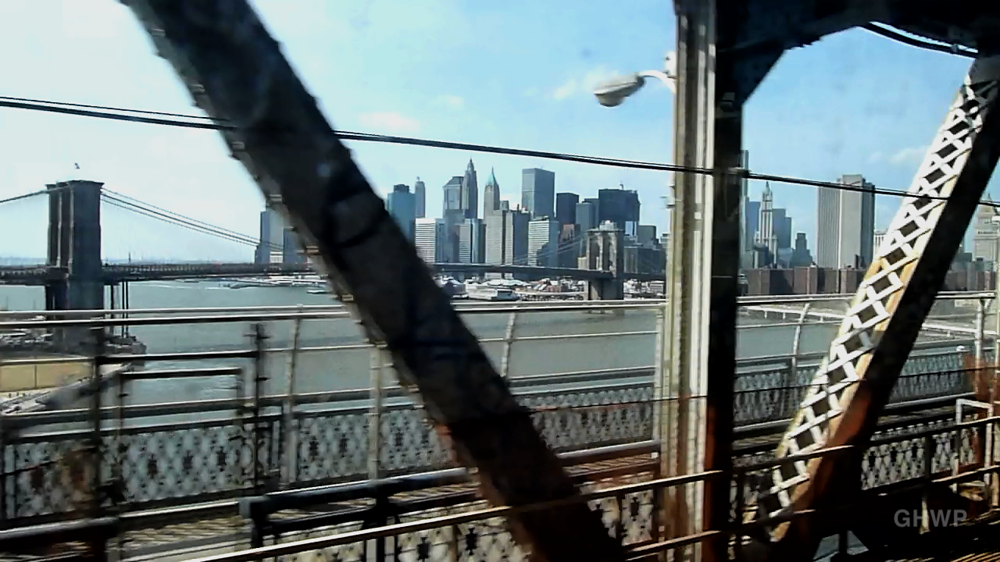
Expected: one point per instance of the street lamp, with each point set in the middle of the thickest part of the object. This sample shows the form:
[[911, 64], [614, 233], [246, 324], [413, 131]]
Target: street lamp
[[613, 92]]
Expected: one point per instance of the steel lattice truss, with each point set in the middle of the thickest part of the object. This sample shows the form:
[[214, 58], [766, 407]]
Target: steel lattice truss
[[936, 189]]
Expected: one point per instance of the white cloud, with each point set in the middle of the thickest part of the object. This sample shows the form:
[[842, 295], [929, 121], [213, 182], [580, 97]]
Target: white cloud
[[454, 102], [566, 90], [583, 85], [902, 157], [908, 155], [389, 121]]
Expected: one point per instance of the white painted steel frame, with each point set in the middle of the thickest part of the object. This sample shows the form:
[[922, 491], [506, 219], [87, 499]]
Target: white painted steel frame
[[878, 296]]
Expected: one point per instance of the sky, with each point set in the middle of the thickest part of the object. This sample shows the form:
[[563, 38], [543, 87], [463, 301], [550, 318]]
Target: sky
[[515, 74]]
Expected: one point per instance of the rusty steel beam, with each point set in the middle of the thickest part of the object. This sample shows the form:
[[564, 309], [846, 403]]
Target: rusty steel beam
[[235, 71], [853, 384]]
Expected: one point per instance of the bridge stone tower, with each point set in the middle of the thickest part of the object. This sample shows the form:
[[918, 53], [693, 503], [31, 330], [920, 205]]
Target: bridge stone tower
[[604, 253], [74, 246]]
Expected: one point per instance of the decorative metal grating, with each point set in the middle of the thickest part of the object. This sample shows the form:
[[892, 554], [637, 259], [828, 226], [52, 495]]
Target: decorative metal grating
[[165, 465]]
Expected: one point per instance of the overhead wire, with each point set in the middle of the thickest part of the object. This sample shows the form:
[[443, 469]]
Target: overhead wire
[[107, 112]]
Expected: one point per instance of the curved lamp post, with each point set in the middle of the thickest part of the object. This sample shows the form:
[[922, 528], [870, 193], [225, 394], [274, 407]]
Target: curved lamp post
[[613, 92]]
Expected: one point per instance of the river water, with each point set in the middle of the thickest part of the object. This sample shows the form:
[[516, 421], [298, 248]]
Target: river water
[[323, 371]]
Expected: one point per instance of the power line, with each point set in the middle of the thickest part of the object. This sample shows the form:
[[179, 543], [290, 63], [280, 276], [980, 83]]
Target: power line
[[107, 108], [72, 109]]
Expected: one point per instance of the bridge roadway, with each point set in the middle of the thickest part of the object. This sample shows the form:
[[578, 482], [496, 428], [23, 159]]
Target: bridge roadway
[[117, 273], [211, 528], [181, 480]]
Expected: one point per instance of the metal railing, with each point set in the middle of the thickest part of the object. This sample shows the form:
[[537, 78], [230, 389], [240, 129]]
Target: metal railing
[[168, 454], [463, 528]]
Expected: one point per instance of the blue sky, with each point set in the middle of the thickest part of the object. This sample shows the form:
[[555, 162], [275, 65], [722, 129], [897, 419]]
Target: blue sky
[[516, 73]]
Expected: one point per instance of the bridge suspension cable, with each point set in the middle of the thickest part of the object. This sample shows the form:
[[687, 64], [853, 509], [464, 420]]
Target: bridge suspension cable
[[140, 203], [206, 123], [182, 222]]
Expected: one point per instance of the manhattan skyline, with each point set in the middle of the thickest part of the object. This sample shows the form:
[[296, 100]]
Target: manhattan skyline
[[853, 102]]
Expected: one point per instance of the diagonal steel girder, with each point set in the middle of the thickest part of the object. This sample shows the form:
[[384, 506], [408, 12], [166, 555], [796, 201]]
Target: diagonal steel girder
[[235, 71], [853, 384]]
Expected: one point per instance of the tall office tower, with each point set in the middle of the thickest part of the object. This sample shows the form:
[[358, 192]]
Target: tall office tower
[[751, 210], [586, 215], [430, 238], [270, 247], [765, 227], [504, 205], [586, 218], [470, 192], [401, 204], [985, 234], [491, 196], [845, 224], [782, 225], [453, 215], [452, 197], [877, 239], [496, 234], [569, 245], [800, 254], [292, 251], [543, 242], [472, 241], [566, 207], [507, 237], [516, 241], [538, 192], [645, 234], [620, 207], [419, 199]]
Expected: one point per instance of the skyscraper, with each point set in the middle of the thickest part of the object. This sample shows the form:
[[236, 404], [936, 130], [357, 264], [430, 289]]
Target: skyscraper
[[471, 241], [401, 205], [751, 210], [491, 196], [507, 237], [765, 226], [419, 199], [452, 196], [431, 234], [496, 231], [566, 207], [619, 206], [800, 255], [985, 234], [270, 247], [845, 224], [291, 250], [470, 192], [538, 192], [782, 228], [586, 215], [453, 215], [543, 242], [516, 237]]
